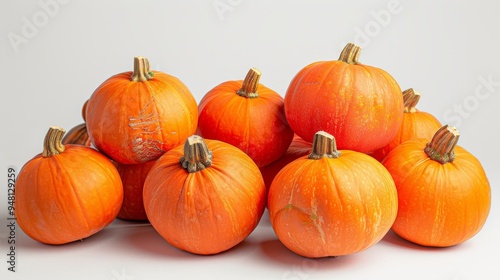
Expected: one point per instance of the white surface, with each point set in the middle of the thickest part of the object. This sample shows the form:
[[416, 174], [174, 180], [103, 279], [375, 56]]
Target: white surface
[[444, 50]]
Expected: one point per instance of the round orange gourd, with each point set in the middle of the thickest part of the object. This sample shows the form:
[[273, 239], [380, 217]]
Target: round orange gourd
[[298, 148], [66, 193], [134, 117], [77, 135], [361, 105], [416, 124], [247, 115], [133, 177], [205, 197], [443, 192], [332, 202]]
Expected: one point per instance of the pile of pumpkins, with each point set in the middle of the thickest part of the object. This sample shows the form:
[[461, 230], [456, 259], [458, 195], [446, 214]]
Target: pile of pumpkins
[[338, 161]]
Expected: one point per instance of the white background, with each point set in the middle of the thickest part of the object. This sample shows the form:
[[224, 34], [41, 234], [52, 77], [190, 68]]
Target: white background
[[54, 56]]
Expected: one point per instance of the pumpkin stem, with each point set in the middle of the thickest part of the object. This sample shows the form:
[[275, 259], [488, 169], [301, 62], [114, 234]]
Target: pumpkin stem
[[350, 54], [142, 71], [442, 146], [410, 98], [324, 145], [52, 145], [250, 84], [197, 156]]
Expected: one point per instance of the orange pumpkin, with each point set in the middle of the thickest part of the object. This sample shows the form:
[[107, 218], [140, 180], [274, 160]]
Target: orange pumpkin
[[77, 135], [204, 197], [332, 202], [66, 193], [248, 115], [133, 177], [443, 192], [298, 148], [84, 110], [416, 124], [134, 117], [361, 105]]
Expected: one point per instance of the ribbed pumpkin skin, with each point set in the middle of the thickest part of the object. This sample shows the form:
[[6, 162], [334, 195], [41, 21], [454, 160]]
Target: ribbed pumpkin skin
[[332, 207], [135, 122], [361, 105], [67, 197], [208, 211], [415, 125], [257, 126], [439, 205]]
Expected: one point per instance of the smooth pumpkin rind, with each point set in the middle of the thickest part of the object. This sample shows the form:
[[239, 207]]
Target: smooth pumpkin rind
[[67, 197], [441, 205], [361, 105], [332, 206], [256, 125], [208, 211]]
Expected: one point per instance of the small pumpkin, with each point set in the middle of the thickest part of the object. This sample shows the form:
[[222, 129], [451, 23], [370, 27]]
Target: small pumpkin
[[133, 177], [443, 192], [416, 124], [134, 117], [360, 104], [77, 135], [66, 193], [84, 110], [332, 202], [248, 115], [204, 197], [298, 148]]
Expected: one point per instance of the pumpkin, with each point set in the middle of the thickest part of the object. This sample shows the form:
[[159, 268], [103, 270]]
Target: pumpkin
[[77, 135], [298, 148], [84, 110], [331, 202], [133, 177], [134, 117], [416, 124], [66, 193], [248, 115], [204, 197], [443, 192], [360, 104]]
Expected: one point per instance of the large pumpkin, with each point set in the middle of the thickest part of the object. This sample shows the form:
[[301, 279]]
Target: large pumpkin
[[416, 124], [332, 202], [134, 117], [361, 105], [248, 115], [443, 192], [66, 193], [204, 197]]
